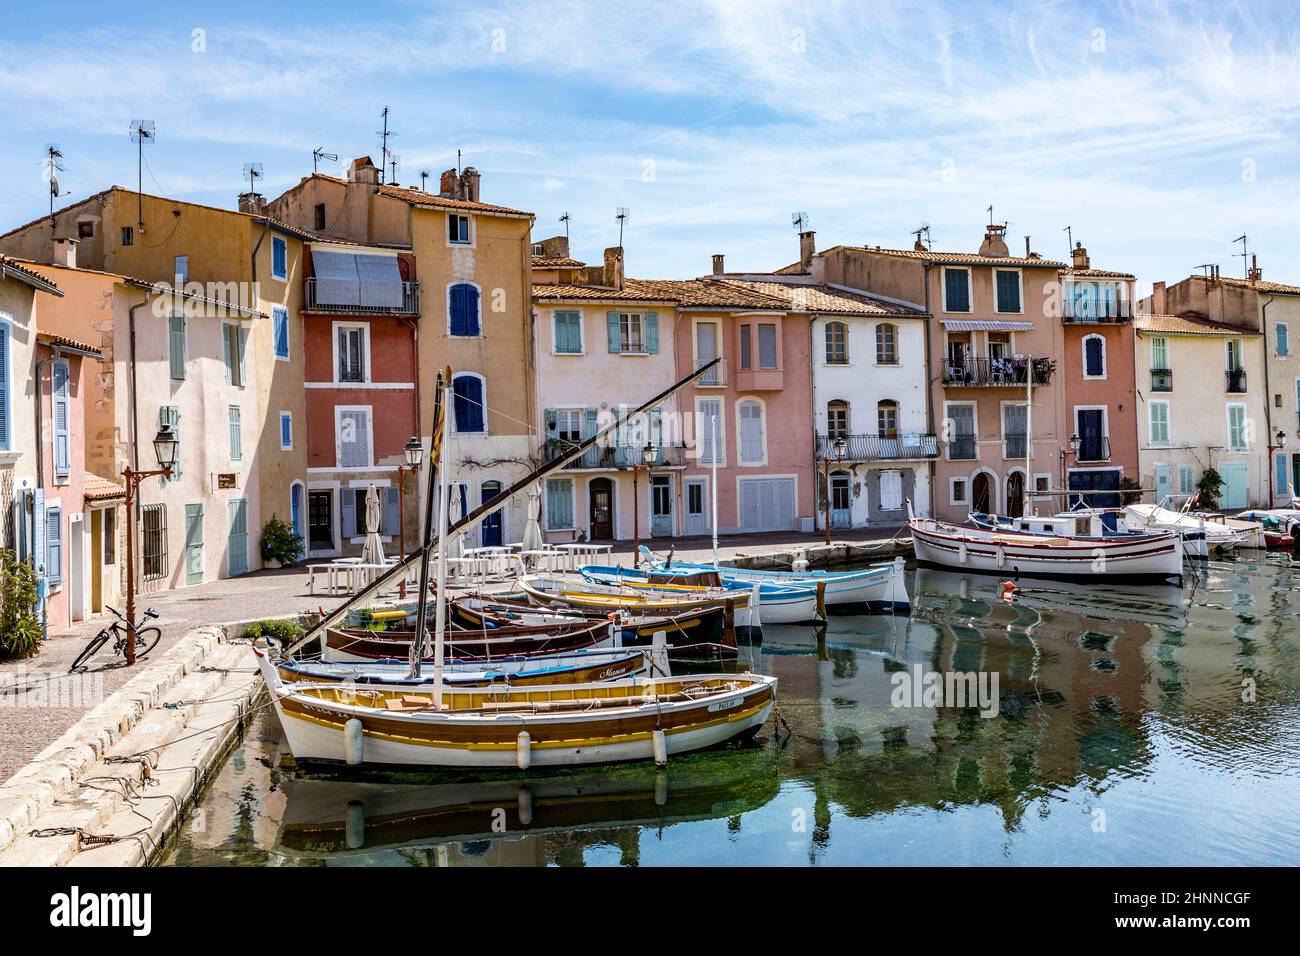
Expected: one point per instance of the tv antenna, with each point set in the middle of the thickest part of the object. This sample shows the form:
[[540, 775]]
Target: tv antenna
[[922, 230], [252, 172], [1069, 238], [424, 175], [318, 154], [622, 218], [384, 135], [1205, 268], [565, 219], [53, 166], [394, 162], [1245, 254], [800, 221], [142, 131]]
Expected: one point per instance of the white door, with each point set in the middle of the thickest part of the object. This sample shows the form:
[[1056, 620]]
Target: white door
[[76, 570], [697, 506], [767, 504]]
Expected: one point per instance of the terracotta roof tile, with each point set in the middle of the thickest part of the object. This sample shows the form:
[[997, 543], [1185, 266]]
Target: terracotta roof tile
[[30, 276], [707, 293], [1186, 325], [420, 198], [95, 488], [556, 262], [1097, 274], [821, 298], [56, 341], [565, 293], [1276, 288]]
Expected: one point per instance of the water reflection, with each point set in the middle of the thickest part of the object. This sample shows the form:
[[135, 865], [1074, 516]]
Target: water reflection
[[1138, 725]]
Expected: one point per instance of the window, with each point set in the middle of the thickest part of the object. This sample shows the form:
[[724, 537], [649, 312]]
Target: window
[[767, 346], [355, 523], [467, 403], [171, 415], [1094, 356], [352, 436], [59, 405], [4, 386], [1282, 338], [746, 356], [463, 309], [568, 332], [320, 216], [559, 504], [176, 345], [280, 329], [633, 332], [1042, 483], [181, 269], [1160, 353], [1015, 431], [1186, 480], [286, 431], [351, 353], [837, 419], [110, 535], [564, 425], [886, 344], [1158, 414], [629, 327], [707, 338], [956, 290], [1008, 290], [708, 415], [236, 433], [54, 545], [128, 236], [751, 433], [233, 347], [837, 343], [887, 419], [153, 535], [457, 228], [85, 230], [960, 427], [957, 491], [295, 511], [1237, 438], [1233, 355], [279, 258]]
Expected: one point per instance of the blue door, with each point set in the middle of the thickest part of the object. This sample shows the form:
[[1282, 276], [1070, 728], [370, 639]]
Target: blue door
[[1234, 485], [1092, 481], [1164, 483], [491, 529]]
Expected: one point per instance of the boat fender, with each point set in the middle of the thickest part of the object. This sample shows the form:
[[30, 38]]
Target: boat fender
[[523, 750], [1008, 592], [755, 616], [800, 563], [1002, 557], [961, 552], [354, 828], [354, 742], [660, 748], [525, 806]]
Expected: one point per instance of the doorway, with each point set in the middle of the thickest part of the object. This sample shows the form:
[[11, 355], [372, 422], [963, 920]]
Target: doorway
[[491, 533], [76, 569], [661, 506], [1015, 494], [982, 493], [97, 561], [320, 518], [841, 500], [697, 521], [600, 494]]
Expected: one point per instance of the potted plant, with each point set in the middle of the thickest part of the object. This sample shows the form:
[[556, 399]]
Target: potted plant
[[20, 628], [280, 546]]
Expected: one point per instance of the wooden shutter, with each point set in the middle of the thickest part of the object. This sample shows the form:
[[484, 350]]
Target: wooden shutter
[[176, 343], [4, 386], [391, 504], [54, 545], [652, 332], [236, 434], [59, 401], [613, 331]]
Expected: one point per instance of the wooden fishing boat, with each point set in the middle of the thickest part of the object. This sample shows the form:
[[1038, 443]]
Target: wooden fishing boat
[[499, 727], [574, 667], [551, 590], [1276, 525], [778, 603], [1155, 556], [1083, 522], [345, 644]]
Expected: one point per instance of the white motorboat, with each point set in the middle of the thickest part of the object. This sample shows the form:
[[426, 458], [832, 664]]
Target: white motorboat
[[1219, 538]]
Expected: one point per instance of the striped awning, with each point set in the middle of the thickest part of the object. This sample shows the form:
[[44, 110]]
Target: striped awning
[[986, 325]]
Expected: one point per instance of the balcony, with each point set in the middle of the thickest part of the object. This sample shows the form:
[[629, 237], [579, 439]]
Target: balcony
[[874, 448], [1095, 448], [715, 377], [617, 455], [1236, 380], [1162, 380], [372, 301], [961, 448], [1088, 312], [1008, 372]]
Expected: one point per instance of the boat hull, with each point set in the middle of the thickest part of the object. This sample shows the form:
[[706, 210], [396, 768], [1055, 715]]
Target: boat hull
[[880, 586], [576, 667], [350, 645]]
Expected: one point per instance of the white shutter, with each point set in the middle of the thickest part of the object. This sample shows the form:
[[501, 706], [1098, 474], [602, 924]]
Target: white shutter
[[891, 490]]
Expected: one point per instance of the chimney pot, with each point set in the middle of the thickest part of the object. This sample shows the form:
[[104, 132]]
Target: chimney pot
[[63, 251], [469, 182], [449, 184], [1158, 306], [252, 203], [1080, 256], [718, 267], [613, 273], [995, 242], [362, 170], [807, 249]]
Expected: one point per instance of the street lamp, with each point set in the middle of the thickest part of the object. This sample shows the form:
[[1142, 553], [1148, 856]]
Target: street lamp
[[839, 446], [164, 448], [649, 455], [414, 452]]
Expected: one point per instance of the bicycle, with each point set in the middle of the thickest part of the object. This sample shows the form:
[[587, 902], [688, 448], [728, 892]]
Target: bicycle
[[146, 638]]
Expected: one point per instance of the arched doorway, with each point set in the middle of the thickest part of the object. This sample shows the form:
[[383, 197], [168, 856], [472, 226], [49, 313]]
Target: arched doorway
[[982, 493], [600, 495], [1015, 494]]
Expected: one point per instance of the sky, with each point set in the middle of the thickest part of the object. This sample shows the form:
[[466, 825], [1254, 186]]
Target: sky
[[1157, 132]]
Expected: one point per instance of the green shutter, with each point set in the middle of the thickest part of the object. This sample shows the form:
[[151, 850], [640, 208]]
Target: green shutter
[[227, 353], [236, 434], [652, 332], [551, 421], [176, 341], [611, 324]]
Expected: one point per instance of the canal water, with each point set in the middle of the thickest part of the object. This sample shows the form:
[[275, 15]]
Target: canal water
[[1134, 726]]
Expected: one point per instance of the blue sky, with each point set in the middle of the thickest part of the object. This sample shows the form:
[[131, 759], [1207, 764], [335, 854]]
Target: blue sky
[[1158, 132]]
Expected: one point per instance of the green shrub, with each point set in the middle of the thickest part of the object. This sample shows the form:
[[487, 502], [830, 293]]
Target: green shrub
[[285, 632], [1208, 489], [20, 629], [279, 542]]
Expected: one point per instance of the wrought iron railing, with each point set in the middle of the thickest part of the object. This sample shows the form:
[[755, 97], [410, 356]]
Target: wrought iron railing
[[1162, 380], [961, 448], [1236, 380], [1089, 311], [1094, 449], [410, 302], [875, 448], [995, 372], [618, 455]]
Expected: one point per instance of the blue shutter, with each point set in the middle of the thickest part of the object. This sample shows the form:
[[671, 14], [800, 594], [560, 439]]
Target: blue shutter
[[279, 259], [59, 401], [559, 503], [295, 511], [1093, 359], [467, 403], [348, 506], [1283, 346], [957, 290], [54, 545], [611, 324], [236, 434], [281, 318], [171, 415], [652, 332], [4, 386], [390, 513], [286, 431], [227, 352], [464, 310]]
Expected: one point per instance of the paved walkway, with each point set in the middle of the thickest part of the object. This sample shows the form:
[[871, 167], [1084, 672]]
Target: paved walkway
[[52, 700]]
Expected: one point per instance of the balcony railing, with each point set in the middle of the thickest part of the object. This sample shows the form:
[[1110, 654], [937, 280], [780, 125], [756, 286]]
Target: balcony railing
[[1162, 380], [875, 448], [619, 455], [1094, 449], [961, 448], [1009, 372], [1236, 380], [1016, 446], [1088, 312], [410, 304], [715, 377]]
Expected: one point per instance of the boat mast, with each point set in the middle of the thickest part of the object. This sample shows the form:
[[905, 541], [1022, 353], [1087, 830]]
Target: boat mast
[[713, 486], [437, 451], [1029, 433], [440, 616]]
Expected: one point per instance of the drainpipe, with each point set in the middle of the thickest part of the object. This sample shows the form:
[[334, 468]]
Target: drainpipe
[[1268, 404], [929, 387]]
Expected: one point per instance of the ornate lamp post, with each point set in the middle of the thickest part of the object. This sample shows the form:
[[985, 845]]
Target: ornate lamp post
[[414, 452], [649, 455], [164, 449], [1075, 442], [839, 446]]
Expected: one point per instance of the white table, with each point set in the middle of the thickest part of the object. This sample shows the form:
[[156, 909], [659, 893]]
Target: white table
[[548, 559], [586, 552]]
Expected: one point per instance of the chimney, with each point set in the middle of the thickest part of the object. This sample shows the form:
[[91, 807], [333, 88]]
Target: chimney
[[718, 267], [1255, 273], [1080, 256], [63, 252], [807, 249], [613, 277], [556, 247], [363, 183], [1158, 306], [1029, 254], [252, 203], [469, 180], [449, 184], [995, 242], [362, 170]]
